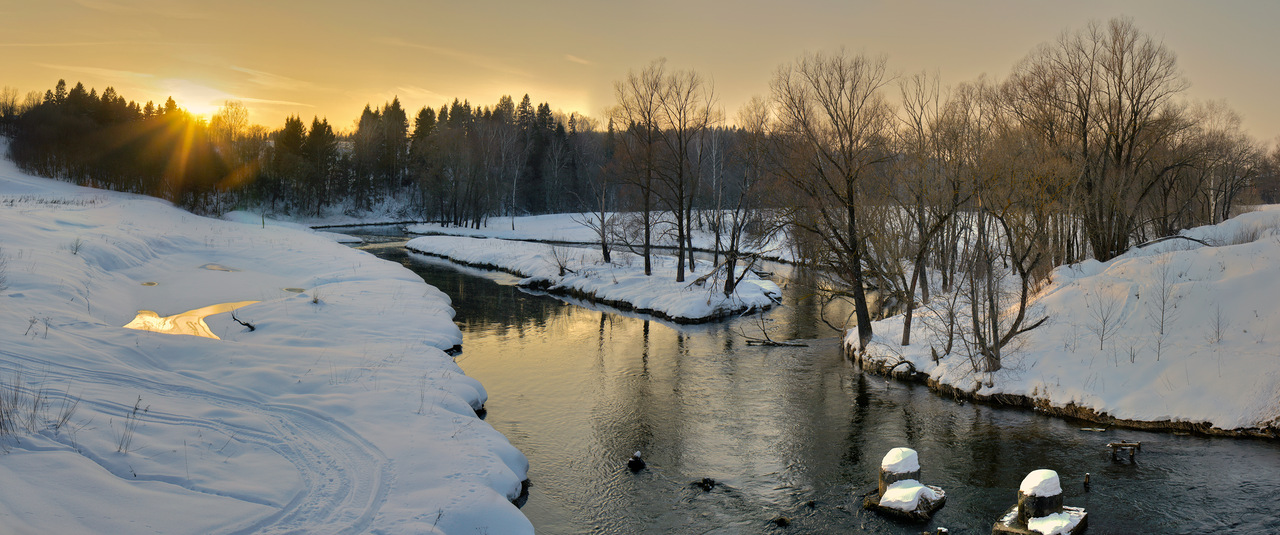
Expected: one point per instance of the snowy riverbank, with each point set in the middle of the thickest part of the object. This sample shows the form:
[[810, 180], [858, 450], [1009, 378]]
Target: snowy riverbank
[[621, 284], [1101, 354], [340, 412], [568, 228]]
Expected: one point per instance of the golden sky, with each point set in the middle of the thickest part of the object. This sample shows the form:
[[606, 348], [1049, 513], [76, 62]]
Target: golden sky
[[329, 58]]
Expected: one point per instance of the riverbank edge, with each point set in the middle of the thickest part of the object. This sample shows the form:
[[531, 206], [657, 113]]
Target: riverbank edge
[[590, 245], [549, 286], [1044, 406]]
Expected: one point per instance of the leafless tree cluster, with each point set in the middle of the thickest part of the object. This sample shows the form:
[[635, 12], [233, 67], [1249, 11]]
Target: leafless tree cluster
[[665, 120], [976, 190], [1141, 162]]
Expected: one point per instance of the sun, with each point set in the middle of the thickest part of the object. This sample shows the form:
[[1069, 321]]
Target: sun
[[198, 99]]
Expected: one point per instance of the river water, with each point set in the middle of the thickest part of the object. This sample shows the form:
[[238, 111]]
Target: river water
[[792, 432]]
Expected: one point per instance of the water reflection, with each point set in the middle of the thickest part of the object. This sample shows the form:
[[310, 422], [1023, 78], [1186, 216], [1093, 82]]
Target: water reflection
[[189, 323], [794, 432]]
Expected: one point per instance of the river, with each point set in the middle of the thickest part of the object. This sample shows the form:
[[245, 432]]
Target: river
[[794, 433]]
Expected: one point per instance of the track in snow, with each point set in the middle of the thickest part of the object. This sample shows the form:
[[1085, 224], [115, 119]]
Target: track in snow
[[345, 479]]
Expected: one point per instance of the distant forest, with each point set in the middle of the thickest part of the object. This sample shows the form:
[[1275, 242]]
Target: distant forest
[[1085, 149], [456, 165]]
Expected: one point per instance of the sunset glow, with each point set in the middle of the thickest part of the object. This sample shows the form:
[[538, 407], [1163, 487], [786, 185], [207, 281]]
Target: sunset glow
[[198, 99], [329, 60], [190, 323]]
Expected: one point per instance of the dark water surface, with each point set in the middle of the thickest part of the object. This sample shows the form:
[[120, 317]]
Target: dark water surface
[[792, 432]]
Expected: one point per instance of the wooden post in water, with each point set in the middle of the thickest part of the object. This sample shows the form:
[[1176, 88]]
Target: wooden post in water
[[1040, 495], [1040, 508], [900, 492]]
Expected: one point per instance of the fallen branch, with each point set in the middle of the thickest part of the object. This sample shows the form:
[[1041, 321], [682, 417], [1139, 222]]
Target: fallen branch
[[773, 343], [767, 341], [247, 325], [1167, 238]]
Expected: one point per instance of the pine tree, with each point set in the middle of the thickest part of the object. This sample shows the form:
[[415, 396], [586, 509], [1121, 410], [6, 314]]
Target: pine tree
[[424, 124], [394, 152], [524, 114], [287, 159], [505, 110], [320, 153]]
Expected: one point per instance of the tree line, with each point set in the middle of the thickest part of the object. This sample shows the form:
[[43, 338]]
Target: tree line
[[895, 185], [106, 141], [457, 165]]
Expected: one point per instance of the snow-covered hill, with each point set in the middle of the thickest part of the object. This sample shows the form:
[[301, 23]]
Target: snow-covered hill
[[1217, 361], [340, 412]]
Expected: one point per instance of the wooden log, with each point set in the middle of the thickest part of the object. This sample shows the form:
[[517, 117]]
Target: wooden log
[[1131, 447]]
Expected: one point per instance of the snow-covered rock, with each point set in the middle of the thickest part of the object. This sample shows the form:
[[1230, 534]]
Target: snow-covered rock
[[905, 495], [1041, 482], [900, 461], [1057, 523]]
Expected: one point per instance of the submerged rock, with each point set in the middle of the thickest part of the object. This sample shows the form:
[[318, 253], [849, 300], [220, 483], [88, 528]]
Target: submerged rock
[[635, 463]]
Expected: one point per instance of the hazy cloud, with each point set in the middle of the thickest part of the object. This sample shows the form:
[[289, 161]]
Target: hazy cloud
[[577, 59], [465, 57], [110, 74], [163, 8], [274, 81], [416, 93], [269, 101], [68, 43]]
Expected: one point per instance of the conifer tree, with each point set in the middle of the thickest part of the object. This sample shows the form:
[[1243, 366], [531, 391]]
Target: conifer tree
[[320, 150]]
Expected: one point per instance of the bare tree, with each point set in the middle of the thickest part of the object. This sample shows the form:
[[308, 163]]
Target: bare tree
[[1104, 314], [686, 114], [1012, 179], [637, 115], [928, 193], [1103, 97], [834, 124], [598, 200], [751, 151], [8, 108], [230, 122], [1162, 303]]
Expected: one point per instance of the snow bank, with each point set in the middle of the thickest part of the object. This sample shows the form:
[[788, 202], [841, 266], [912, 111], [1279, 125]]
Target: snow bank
[[248, 218], [900, 461], [621, 283], [567, 228], [1215, 361], [1042, 482], [339, 412], [905, 495]]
